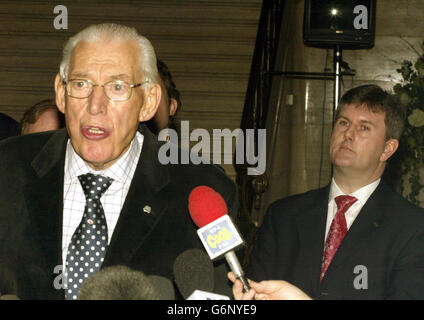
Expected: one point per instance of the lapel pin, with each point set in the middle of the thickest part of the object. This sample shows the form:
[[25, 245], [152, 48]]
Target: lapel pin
[[147, 209]]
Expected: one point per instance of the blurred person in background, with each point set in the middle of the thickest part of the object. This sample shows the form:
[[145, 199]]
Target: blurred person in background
[[42, 116], [169, 104]]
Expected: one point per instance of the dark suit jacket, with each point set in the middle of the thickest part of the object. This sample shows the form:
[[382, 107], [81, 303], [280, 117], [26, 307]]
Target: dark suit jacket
[[31, 207], [386, 242]]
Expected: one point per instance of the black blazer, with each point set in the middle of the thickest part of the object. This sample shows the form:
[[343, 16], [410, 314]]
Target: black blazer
[[31, 207], [383, 251]]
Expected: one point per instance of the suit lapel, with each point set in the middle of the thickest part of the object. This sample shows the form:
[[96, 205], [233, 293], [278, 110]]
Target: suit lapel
[[45, 206], [44, 196], [311, 226], [143, 205], [368, 220], [44, 201]]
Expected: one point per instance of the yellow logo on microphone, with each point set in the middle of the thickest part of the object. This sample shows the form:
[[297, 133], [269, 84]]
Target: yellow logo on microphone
[[222, 235]]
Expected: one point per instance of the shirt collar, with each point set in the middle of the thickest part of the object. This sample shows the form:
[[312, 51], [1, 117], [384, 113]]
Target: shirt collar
[[361, 194], [119, 171]]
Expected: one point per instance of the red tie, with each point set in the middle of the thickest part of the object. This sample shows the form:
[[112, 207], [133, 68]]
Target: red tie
[[337, 231]]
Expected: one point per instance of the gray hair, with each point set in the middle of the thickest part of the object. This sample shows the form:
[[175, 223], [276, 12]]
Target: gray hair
[[112, 31]]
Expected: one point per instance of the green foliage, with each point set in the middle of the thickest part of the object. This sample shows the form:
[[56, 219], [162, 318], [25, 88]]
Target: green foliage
[[410, 156]]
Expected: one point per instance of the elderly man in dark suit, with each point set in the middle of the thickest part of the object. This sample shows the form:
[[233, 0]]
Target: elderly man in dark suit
[[95, 194], [355, 238]]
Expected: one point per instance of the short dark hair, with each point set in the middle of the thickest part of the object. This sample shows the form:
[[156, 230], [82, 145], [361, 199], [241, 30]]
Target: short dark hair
[[170, 86], [376, 99], [33, 113]]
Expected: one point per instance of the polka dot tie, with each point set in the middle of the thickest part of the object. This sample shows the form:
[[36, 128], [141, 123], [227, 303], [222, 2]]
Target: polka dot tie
[[89, 241], [337, 231]]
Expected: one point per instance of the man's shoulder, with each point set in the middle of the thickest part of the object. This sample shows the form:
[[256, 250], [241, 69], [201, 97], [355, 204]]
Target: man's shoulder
[[301, 201], [17, 149], [186, 174], [191, 176], [26, 144], [187, 177], [19, 152], [200, 171], [398, 207]]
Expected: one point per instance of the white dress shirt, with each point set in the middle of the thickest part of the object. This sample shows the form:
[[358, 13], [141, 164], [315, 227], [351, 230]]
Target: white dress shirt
[[361, 194], [112, 200]]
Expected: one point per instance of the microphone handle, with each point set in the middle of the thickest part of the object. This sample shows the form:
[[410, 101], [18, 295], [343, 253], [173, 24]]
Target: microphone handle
[[235, 266]]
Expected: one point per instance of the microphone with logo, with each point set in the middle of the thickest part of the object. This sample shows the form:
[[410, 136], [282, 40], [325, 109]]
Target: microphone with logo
[[216, 230]]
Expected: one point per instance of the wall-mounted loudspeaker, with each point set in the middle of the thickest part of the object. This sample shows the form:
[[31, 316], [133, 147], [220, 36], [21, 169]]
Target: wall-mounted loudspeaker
[[347, 23]]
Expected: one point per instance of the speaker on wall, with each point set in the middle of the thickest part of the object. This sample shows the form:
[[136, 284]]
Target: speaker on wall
[[347, 23]]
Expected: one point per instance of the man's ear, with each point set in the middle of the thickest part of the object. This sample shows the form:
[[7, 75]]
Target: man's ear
[[173, 105], [390, 148], [60, 93], [151, 102]]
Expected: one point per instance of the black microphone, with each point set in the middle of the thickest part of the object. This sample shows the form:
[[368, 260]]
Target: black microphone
[[119, 283], [193, 270]]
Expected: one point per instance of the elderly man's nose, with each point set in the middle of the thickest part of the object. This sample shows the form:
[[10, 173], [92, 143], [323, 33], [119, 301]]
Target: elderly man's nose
[[97, 100]]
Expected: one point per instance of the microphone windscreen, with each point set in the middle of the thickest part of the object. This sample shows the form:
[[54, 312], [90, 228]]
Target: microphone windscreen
[[163, 286], [193, 270], [206, 205], [118, 283]]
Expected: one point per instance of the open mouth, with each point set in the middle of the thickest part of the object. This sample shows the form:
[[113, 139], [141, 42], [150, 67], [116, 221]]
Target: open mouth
[[95, 133], [95, 130]]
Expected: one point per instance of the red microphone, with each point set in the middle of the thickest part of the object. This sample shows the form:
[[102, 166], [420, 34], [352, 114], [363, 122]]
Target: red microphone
[[206, 205], [217, 232]]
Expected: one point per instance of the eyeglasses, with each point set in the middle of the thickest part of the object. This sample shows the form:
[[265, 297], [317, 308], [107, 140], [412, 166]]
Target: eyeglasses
[[115, 90]]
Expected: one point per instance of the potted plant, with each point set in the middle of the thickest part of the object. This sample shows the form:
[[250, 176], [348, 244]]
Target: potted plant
[[409, 160]]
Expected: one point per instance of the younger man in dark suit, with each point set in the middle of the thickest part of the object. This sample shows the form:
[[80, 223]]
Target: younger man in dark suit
[[355, 238]]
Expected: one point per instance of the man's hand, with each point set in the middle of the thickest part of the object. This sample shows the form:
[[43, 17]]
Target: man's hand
[[267, 290], [238, 288], [278, 290]]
